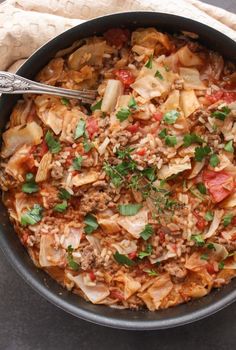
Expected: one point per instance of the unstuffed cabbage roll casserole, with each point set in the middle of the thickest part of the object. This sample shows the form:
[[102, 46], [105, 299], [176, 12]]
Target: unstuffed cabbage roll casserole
[[129, 202]]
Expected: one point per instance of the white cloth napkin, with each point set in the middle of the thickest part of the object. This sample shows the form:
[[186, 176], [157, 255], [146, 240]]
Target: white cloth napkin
[[25, 25]]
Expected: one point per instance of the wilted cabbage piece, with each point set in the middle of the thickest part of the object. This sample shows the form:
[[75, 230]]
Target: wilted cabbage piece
[[150, 38], [178, 165], [191, 78], [70, 121], [95, 293], [16, 164], [134, 224], [52, 72], [113, 91], [72, 235], [189, 59], [218, 214], [109, 224], [172, 102], [48, 254], [189, 102], [18, 136], [20, 112], [44, 167], [84, 178]]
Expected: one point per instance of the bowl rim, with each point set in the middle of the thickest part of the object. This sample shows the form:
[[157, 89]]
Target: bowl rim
[[21, 268]]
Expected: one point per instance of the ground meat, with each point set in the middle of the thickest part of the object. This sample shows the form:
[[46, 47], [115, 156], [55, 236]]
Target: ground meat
[[94, 200], [88, 258], [57, 171], [177, 272], [121, 138]]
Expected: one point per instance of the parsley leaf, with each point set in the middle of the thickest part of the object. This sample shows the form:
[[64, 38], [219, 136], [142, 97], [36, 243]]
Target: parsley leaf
[[171, 117], [214, 160], [64, 194], [211, 246], [91, 224], [64, 101], [201, 152], [87, 145], [80, 129], [149, 62], [159, 75], [222, 113], [123, 259], [30, 185], [229, 147], [198, 240], [150, 174], [129, 209], [221, 265], [151, 272], [61, 207], [147, 252], [33, 216], [204, 257], [124, 153], [54, 146], [132, 103], [201, 188], [171, 141], [209, 216], [162, 134], [77, 162], [227, 219], [189, 139], [73, 265], [123, 114], [147, 232], [96, 106]]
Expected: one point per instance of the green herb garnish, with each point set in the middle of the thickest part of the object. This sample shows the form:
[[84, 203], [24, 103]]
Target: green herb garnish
[[77, 162], [80, 129], [91, 224], [222, 113], [204, 257], [171, 141], [96, 106], [209, 216], [33, 216], [150, 174], [221, 265], [189, 139], [64, 194], [211, 246], [201, 152], [201, 188], [198, 240], [54, 146], [214, 160], [72, 264], [87, 145], [159, 75], [64, 101], [227, 219], [162, 134], [147, 252], [132, 103], [124, 153], [149, 62], [30, 185], [123, 259], [147, 232], [151, 272], [171, 117], [229, 147], [129, 209], [123, 114], [61, 207]]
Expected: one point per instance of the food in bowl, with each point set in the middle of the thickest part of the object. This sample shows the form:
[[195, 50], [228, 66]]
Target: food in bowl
[[129, 202]]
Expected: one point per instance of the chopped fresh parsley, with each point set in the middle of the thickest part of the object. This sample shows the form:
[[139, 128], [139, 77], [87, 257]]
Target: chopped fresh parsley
[[80, 129], [147, 232], [61, 207], [201, 188], [211, 246], [91, 224], [115, 176], [150, 174], [64, 194], [198, 240], [129, 209], [124, 153], [149, 62], [229, 147], [96, 106], [171, 117], [54, 146], [147, 252], [77, 162], [123, 259], [222, 113], [132, 103], [33, 216], [196, 193], [209, 216], [214, 160], [221, 265], [151, 272], [123, 114], [171, 141], [159, 75], [201, 153], [227, 219], [189, 139], [64, 101], [72, 264], [30, 185], [204, 257], [162, 134], [87, 145]]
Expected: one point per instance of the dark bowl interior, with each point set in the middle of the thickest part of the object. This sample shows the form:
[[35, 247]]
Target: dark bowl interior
[[17, 255]]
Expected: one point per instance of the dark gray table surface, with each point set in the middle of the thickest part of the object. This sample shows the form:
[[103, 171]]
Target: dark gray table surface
[[28, 322]]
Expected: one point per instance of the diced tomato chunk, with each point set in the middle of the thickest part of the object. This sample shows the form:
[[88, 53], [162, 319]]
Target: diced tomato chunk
[[158, 116], [201, 223], [216, 96], [92, 276], [125, 76], [133, 128], [229, 97], [210, 268], [117, 36], [116, 294], [220, 184], [43, 147], [162, 236], [141, 152], [132, 255], [92, 127], [226, 96]]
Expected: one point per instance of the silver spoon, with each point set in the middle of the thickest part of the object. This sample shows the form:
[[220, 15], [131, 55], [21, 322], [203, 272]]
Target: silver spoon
[[14, 84]]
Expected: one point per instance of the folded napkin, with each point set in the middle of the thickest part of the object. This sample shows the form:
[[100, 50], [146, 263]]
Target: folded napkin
[[25, 25]]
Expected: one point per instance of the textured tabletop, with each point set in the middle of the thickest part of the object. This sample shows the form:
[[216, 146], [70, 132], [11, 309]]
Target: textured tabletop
[[28, 322]]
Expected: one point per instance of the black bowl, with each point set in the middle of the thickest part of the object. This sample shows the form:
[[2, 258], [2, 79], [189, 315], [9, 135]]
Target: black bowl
[[10, 244]]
